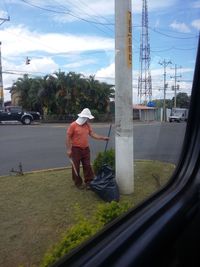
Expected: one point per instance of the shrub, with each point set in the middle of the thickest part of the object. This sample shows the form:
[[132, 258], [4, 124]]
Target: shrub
[[109, 211], [107, 157], [72, 238], [84, 229]]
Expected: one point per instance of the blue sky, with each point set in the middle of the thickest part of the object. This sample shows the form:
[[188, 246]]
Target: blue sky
[[79, 36]]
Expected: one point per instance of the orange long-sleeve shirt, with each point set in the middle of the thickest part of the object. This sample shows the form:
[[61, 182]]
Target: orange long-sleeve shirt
[[79, 134]]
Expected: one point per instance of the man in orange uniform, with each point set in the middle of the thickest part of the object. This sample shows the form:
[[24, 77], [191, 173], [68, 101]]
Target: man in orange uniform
[[78, 147]]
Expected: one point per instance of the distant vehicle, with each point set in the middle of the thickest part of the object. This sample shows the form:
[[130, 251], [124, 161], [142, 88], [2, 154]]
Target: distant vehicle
[[15, 113], [178, 115]]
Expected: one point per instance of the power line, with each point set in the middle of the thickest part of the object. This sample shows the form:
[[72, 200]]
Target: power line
[[173, 48], [96, 12], [57, 51], [160, 31], [96, 20], [21, 72], [170, 36], [2, 20], [64, 12], [70, 13]]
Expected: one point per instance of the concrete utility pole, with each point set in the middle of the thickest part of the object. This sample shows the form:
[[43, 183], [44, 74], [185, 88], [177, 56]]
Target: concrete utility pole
[[164, 64], [2, 20], [1, 83], [175, 87], [123, 97]]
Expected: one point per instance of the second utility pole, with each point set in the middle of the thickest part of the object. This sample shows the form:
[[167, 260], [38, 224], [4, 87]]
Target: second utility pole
[[176, 87], [123, 97], [1, 83], [164, 64]]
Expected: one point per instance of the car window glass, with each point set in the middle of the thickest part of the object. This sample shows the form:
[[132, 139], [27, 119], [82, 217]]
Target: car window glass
[[58, 57]]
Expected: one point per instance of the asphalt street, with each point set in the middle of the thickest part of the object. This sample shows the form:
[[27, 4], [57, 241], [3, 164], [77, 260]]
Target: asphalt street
[[42, 146]]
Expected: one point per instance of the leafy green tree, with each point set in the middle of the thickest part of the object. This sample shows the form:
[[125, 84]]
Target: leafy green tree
[[47, 94], [22, 86], [34, 100], [99, 94], [74, 85], [62, 93], [182, 100], [160, 102]]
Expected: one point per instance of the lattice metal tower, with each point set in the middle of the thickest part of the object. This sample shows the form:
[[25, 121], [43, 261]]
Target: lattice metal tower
[[144, 80]]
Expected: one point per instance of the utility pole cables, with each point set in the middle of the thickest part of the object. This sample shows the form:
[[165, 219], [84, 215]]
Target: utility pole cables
[[164, 63], [2, 20]]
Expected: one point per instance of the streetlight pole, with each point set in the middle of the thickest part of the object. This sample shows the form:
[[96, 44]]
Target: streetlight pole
[[164, 63], [123, 97]]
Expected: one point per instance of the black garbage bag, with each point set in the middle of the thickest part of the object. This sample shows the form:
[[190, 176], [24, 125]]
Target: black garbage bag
[[105, 185]]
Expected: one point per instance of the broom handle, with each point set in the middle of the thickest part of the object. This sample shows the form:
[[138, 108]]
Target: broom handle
[[73, 166], [108, 136]]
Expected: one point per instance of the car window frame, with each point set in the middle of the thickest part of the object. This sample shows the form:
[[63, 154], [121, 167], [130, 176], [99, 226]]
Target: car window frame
[[138, 237]]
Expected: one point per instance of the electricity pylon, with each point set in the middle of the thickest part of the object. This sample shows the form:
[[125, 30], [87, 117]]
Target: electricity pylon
[[144, 80]]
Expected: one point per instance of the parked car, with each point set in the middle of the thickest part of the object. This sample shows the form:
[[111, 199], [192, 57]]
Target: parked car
[[15, 113]]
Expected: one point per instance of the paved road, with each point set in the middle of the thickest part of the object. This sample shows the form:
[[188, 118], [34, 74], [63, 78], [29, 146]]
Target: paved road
[[42, 146]]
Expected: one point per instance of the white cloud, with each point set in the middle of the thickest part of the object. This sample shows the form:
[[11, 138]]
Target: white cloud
[[196, 4], [3, 14], [43, 65], [79, 63], [37, 67], [180, 26], [106, 72], [104, 7], [196, 24], [20, 40]]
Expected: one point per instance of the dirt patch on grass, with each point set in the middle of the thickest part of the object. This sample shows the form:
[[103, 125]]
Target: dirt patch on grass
[[36, 208]]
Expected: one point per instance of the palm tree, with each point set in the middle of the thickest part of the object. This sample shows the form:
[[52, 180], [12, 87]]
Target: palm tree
[[100, 94], [63, 94], [22, 87], [47, 94]]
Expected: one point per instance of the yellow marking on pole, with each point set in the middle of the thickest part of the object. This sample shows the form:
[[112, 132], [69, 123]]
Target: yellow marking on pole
[[129, 40]]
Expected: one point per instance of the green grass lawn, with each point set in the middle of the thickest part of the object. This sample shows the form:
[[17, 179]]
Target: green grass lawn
[[36, 208]]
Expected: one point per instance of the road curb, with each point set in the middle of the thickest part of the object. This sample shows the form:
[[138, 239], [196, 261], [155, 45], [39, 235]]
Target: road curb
[[38, 171]]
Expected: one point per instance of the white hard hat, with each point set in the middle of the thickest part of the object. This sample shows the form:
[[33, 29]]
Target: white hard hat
[[86, 113]]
